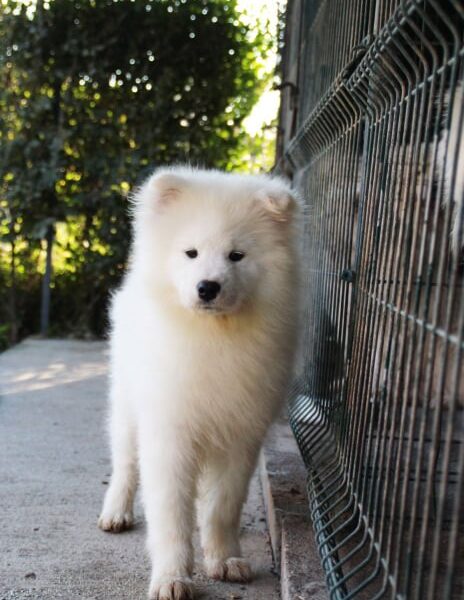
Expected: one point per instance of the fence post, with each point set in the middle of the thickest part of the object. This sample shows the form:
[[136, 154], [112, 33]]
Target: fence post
[[46, 282]]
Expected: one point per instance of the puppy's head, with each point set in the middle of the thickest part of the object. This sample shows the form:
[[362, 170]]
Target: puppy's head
[[213, 242]]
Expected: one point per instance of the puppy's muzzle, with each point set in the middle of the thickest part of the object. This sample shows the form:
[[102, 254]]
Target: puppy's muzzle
[[208, 290]]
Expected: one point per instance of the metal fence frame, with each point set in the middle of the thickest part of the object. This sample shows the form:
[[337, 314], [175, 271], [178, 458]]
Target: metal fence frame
[[372, 132]]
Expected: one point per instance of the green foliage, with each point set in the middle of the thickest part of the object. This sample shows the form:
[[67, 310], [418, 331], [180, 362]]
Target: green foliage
[[93, 95]]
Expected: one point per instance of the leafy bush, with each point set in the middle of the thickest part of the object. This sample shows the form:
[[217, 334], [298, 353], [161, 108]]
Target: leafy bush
[[93, 95]]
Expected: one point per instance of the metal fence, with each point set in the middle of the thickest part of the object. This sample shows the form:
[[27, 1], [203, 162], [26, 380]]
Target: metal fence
[[372, 132]]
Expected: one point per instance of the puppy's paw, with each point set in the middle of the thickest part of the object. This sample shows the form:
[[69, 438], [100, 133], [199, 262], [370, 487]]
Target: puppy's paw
[[232, 569], [175, 589], [116, 522]]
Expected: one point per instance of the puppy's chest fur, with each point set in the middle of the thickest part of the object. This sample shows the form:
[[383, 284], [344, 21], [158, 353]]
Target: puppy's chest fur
[[216, 375]]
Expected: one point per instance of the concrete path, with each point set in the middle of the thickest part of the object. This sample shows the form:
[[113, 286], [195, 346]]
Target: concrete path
[[54, 466]]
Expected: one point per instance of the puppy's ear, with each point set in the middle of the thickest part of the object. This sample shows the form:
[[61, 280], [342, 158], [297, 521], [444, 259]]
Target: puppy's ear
[[278, 199], [165, 187]]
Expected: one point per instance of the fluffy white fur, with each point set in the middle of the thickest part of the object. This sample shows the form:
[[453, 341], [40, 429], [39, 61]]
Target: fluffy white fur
[[195, 385]]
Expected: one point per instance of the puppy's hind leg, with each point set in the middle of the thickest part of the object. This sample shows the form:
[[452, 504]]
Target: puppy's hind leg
[[223, 490], [117, 512]]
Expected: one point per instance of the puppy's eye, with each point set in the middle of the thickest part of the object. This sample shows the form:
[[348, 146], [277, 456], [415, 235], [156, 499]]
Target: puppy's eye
[[236, 255], [192, 253]]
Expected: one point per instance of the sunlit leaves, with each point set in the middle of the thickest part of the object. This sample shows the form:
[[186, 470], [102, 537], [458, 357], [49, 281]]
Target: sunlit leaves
[[93, 95]]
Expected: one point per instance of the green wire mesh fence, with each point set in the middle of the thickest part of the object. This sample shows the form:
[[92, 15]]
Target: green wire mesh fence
[[372, 132]]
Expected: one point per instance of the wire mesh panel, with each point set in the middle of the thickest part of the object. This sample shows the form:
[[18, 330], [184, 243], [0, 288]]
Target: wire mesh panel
[[375, 97]]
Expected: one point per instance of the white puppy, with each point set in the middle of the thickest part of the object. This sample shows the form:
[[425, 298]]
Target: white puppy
[[202, 344]]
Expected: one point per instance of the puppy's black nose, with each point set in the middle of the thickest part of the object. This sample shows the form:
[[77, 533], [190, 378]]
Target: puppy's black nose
[[208, 290]]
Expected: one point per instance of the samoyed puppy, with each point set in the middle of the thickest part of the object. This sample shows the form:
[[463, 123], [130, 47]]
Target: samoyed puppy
[[202, 344]]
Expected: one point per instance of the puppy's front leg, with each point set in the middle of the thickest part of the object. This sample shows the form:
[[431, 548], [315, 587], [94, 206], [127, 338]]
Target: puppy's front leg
[[168, 472], [117, 512]]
